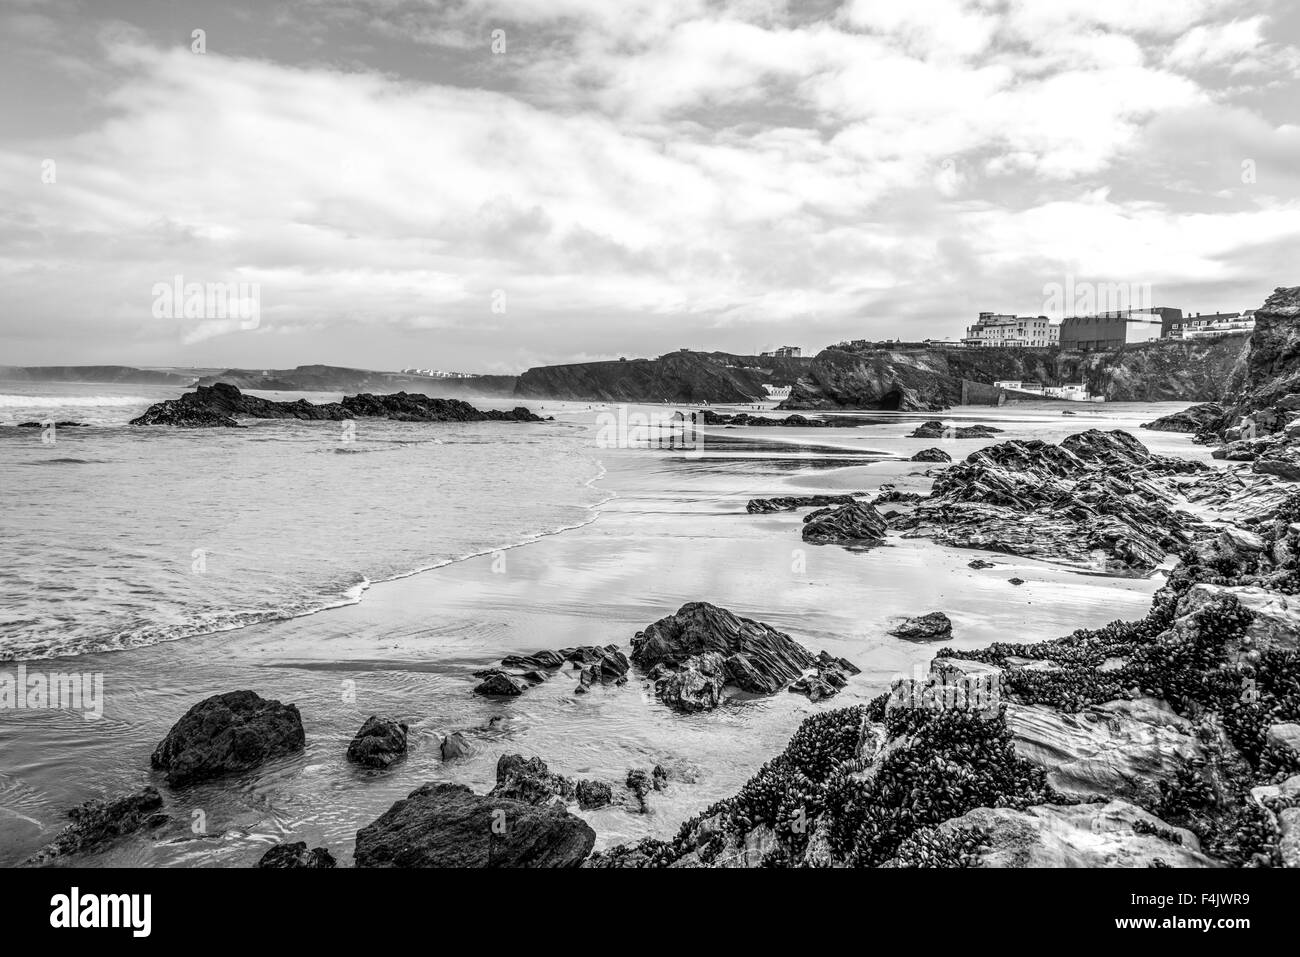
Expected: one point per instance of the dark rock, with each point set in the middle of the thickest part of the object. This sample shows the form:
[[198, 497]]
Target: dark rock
[[659, 777], [697, 683], [57, 425], [593, 795], [1198, 418], [219, 404], [640, 784], [931, 455], [1098, 499], [790, 503], [379, 743], [705, 647], [846, 524], [531, 781], [448, 825], [500, 684], [934, 429], [454, 746], [935, 626], [296, 855], [1016, 581], [236, 731], [980, 563], [96, 823]]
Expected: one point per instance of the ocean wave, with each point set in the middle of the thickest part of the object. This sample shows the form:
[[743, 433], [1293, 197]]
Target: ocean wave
[[70, 401]]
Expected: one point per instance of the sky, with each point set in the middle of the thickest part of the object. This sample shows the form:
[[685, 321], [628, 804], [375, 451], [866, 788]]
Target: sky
[[492, 185]]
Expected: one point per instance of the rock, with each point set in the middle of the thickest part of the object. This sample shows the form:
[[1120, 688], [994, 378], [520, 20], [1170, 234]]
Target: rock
[[935, 626], [978, 563], [931, 455], [1098, 498], [593, 795], [596, 666], [1199, 418], [296, 855], [703, 647], [226, 733], [379, 743], [529, 780], [1114, 834], [760, 506], [98, 822], [1288, 847], [1285, 465], [1016, 581], [1285, 735], [498, 684], [1120, 749], [934, 429], [640, 784], [218, 404], [1275, 621], [448, 825], [697, 683], [454, 746], [845, 524], [1240, 541]]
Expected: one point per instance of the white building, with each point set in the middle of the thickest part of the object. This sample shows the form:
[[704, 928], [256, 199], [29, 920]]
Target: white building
[[1219, 324], [995, 329]]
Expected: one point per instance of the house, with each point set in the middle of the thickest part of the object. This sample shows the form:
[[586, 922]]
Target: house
[[997, 329]]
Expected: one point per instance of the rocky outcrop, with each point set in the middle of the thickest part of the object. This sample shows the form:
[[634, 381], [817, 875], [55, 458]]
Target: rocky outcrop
[[529, 780], [762, 506], [1123, 749], [935, 626], [227, 733], [792, 421], [1271, 369], [222, 403], [380, 743], [931, 455], [593, 795], [693, 654], [934, 429], [448, 825], [98, 823], [296, 856], [595, 665], [1208, 416], [1114, 834], [857, 523], [1098, 500], [454, 746]]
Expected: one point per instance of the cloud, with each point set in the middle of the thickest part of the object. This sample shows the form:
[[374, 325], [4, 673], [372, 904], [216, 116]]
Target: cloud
[[721, 175]]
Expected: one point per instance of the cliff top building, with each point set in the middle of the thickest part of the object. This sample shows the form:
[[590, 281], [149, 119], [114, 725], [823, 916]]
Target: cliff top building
[[996, 329], [1111, 330]]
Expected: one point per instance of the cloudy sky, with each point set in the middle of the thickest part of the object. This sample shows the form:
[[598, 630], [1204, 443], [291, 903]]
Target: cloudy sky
[[626, 178]]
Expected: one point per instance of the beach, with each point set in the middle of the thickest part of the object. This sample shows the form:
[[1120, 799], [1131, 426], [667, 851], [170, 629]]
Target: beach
[[660, 529]]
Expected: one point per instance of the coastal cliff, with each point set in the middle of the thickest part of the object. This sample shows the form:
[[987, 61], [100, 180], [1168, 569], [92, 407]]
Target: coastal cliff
[[674, 377], [920, 378]]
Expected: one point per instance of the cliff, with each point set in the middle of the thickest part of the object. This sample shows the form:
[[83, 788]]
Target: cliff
[[674, 377], [119, 374], [1271, 369], [934, 377], [320, 378]]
